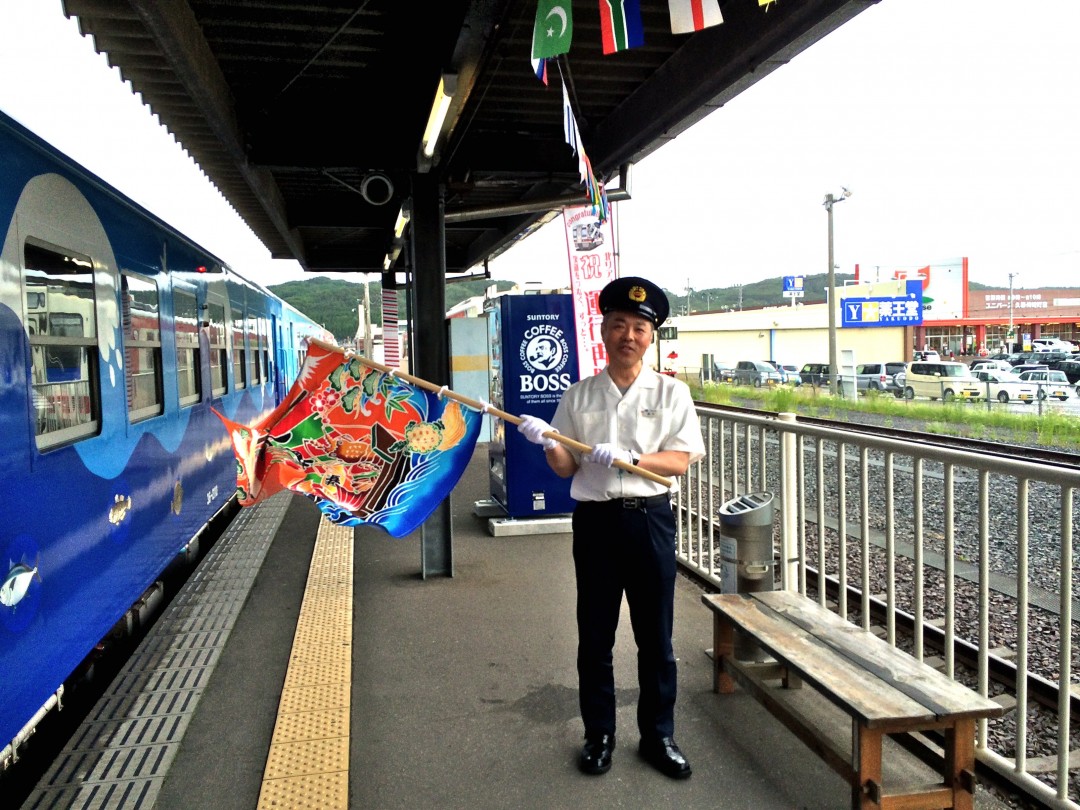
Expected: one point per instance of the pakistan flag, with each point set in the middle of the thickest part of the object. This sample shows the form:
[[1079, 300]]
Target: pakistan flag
[[554, 28]]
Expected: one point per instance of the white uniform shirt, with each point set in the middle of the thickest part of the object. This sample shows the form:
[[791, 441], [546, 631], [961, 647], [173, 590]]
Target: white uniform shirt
[[656, 413]]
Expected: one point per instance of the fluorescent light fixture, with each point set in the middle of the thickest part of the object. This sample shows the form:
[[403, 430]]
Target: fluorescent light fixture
[[402, 220], [439, 109]]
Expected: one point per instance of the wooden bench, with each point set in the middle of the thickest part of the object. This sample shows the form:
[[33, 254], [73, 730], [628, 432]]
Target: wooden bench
[[883, 690]]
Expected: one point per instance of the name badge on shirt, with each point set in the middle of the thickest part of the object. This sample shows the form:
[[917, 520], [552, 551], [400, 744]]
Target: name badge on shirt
[[649, 413]]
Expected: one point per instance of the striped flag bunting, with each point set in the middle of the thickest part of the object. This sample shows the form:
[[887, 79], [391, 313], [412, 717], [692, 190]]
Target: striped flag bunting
[[539, 67], [594, 190], [620, 25], [391, 345], [688, 16]]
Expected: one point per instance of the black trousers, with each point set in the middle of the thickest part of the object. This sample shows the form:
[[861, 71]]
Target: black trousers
[[625, 550]]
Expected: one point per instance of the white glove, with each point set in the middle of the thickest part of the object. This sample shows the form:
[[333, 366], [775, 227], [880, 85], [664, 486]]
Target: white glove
[[607, 454], [533, 428]]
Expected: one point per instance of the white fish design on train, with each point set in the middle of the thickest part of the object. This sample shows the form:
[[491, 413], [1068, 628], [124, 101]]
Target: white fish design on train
[[119, 510], [17, 583]]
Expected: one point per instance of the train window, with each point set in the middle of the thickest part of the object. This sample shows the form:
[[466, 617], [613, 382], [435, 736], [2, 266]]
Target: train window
[[61, 322], [239, 354], [219, 349], [253, 349], [186, 316], [141, 318], [264, 348]]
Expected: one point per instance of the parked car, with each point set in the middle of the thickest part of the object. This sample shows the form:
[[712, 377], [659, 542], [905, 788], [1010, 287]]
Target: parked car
[[1022, 367], [792, 373], [1050, 344], [816, 374], [941, 380], [756, 373], [1004, 386], [788, 372], [992, 365], [723, 372], [928, 355], [1071, 369], [1049, 356], [878, 377], [1050, 382]]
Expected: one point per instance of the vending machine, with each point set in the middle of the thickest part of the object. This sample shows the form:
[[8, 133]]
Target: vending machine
[[533, 361]]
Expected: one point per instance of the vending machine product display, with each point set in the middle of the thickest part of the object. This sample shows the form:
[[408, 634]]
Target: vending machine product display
[[532, 361]]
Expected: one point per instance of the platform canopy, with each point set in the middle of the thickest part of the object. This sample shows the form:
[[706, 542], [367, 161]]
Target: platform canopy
[[309, 116]]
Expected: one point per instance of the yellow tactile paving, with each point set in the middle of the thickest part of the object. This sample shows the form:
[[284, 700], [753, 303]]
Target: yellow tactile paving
[[308, 763]]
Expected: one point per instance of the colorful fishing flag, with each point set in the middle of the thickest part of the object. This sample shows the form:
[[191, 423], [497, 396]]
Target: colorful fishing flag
[[554, 28], [366, 446], [620, 25], [688, 16]]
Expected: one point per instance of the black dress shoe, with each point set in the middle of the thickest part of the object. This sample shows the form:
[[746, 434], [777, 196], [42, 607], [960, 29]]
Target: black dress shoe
[[664, 755], [596, 755]]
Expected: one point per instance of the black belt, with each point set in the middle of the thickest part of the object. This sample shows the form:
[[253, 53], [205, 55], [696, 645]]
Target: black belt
[[636, 503]]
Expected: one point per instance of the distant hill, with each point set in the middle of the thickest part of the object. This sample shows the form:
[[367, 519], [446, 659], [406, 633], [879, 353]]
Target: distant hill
[[765, 293], [333, 303]]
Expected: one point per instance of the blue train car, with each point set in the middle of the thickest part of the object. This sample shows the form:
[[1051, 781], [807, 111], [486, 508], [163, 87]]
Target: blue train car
[[117, 337]]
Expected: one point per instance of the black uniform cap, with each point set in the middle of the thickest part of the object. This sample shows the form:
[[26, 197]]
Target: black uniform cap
[[637, 295]]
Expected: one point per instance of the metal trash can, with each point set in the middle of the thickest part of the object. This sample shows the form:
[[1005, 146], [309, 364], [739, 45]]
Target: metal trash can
[[747, 562]]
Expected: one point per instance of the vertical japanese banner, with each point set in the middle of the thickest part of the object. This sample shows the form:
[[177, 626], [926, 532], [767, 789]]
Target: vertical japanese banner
[[391, 348], [590, 248]]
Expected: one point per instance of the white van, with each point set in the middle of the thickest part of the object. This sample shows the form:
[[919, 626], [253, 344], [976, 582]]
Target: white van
[[1052, 344], [941, 380]]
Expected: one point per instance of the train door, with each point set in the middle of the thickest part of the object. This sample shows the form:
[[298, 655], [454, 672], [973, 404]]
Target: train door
[[277, 350]]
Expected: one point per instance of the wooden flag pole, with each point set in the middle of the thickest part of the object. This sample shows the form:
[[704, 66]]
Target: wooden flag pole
[[485, 407]]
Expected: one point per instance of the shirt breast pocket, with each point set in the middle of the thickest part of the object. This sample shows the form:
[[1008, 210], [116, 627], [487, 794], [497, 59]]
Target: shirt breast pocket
[[597, 426], [652, 429]]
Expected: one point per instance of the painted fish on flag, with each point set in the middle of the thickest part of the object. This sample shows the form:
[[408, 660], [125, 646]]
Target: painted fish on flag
[[688, 16], [553, 30], [366, 446], [620, 25]]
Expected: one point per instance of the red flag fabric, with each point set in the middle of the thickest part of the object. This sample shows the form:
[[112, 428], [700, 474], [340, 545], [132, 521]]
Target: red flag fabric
[[693, 15], [620, 25], [365, 445]]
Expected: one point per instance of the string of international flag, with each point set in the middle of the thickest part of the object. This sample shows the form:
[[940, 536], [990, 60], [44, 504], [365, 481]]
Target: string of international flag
[[620, 29]]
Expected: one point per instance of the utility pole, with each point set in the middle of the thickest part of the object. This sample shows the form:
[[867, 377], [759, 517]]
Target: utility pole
[[369, 339], [834, 364]]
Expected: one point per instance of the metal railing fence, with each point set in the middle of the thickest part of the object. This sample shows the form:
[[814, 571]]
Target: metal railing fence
[[942, 541]]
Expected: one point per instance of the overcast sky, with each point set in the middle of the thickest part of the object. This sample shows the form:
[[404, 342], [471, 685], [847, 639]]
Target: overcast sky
[[953, 122]]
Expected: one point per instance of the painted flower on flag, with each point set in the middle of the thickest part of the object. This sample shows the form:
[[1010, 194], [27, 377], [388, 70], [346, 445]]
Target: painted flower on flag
[[325, 399], [553, 30], [366, 446]]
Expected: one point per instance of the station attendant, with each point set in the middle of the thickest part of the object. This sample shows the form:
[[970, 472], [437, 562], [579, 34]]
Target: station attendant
[[624, 529]]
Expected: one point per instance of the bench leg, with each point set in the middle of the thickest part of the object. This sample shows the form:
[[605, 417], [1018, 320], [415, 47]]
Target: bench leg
[[960, 763], [866, 761], [723, 648]]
